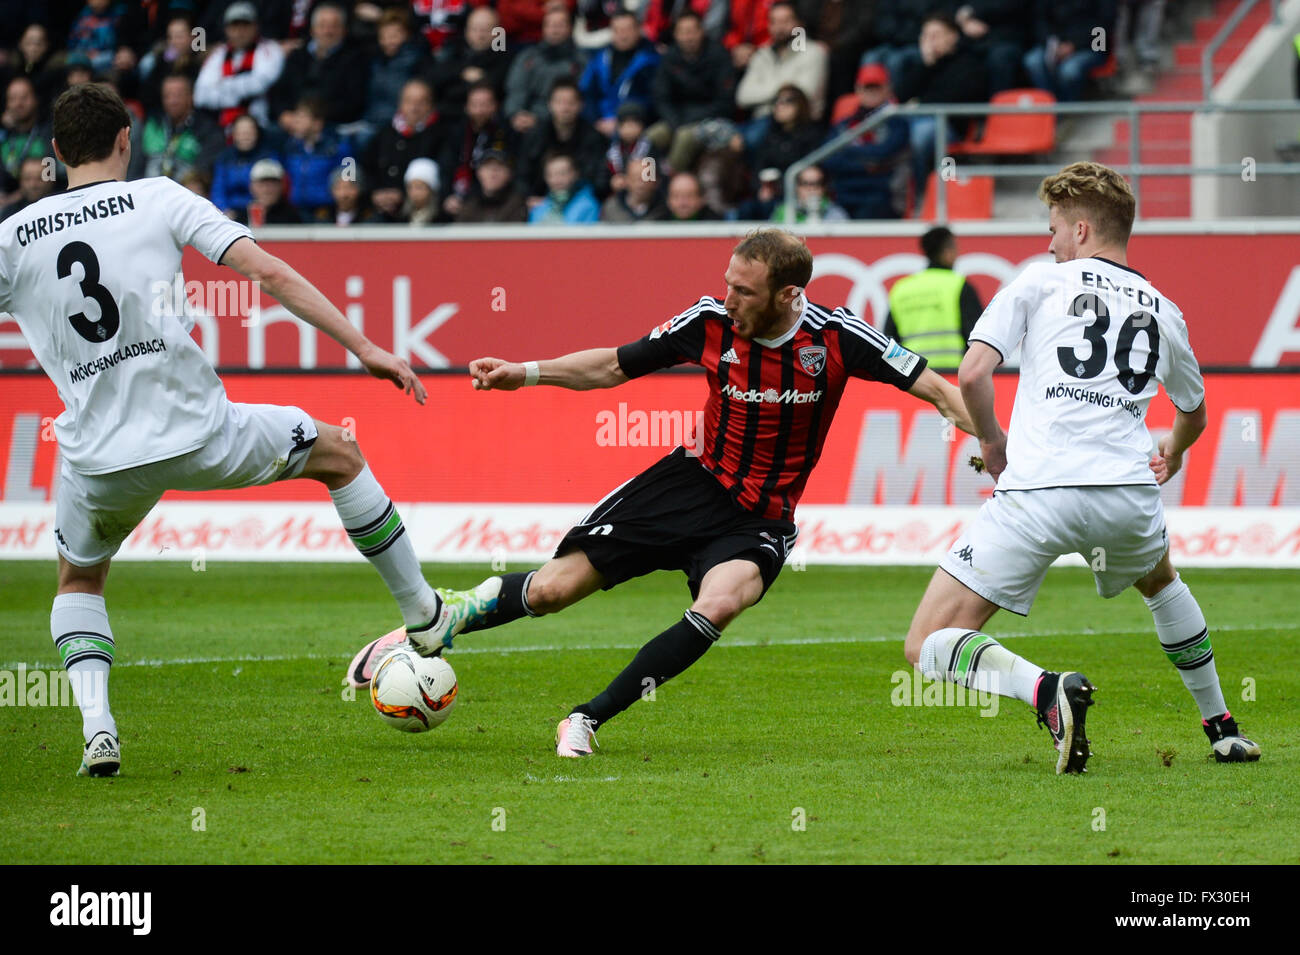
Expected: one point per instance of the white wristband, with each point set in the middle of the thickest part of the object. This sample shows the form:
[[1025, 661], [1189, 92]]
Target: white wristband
[[532, 373]]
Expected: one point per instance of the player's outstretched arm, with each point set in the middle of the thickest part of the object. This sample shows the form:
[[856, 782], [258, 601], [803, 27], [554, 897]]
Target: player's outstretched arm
[[975, 378], [1168, 459], [578, 371], [946, 399], [305, 301]]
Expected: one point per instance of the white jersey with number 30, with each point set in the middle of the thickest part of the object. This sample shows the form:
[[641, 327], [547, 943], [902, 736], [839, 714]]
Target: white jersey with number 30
[[1097, 340], [83, 272]]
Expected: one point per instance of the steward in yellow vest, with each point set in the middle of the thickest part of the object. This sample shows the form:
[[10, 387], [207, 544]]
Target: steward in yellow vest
[[933, 311]]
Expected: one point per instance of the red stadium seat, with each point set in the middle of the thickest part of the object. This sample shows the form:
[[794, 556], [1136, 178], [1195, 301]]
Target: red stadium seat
[[970, 198], [1013, 134]]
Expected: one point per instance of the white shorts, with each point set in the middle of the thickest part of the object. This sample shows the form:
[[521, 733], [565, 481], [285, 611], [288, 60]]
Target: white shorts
[[1004, 554], [257, 444]]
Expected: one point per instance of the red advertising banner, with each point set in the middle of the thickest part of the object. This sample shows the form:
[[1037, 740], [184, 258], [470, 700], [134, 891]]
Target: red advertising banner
[[550, 446], [441, 303]]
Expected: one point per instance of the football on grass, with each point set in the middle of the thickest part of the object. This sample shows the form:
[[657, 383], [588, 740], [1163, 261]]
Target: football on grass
[[413, 693]]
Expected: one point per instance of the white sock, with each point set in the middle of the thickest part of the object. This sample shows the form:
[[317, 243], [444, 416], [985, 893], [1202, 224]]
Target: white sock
[[1185, 638], [79, 626], [376, 528], [977, 661]]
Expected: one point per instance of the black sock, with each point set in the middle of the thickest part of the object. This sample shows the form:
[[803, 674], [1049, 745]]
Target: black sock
[[512, 603], [659, 661]]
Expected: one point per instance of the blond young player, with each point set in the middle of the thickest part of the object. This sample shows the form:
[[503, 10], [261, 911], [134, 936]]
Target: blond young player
[[1075, 474], [144, 411]]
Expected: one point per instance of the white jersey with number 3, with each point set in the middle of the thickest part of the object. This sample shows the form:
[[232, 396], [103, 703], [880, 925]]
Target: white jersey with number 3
[[88, 274], [1097, 340]]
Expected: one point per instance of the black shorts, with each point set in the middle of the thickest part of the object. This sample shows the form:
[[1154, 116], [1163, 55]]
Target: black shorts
[[676, 516]]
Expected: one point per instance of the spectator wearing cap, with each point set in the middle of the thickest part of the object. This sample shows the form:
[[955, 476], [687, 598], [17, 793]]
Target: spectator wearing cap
[[482, 128], [22, 135], [232, 170], [311, 155], [949, 71], [933, 312], [174, 139], [662, 16], [421, 206], [686, 200], [793, 133], [398, 57], [811, 201], [787, 58], [77, 70], [270, 203], [238, 74], [174, 53], [496, 199], [640, 199], [693, 84], [870, 175], [628, 145], [1063, 54], [564, 131], [1001, 31], [534, 72], [621, 73], [329, 67], [568, 200], [413, 132], [479, 56]]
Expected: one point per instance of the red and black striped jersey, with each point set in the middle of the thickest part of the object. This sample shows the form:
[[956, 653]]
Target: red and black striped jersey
[[770, 402]]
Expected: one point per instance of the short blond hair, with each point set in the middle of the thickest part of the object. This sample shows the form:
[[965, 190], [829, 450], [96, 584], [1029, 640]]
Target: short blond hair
[[1089, 190], [786, 256]]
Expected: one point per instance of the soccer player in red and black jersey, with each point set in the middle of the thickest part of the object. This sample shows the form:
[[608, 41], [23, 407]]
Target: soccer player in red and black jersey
[[777, 366]]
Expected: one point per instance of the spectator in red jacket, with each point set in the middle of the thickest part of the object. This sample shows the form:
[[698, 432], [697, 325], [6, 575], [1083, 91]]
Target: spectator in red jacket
[[748, 30], [522, 19]]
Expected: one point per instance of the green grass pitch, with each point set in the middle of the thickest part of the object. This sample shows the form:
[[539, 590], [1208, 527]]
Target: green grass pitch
[[782, 745]]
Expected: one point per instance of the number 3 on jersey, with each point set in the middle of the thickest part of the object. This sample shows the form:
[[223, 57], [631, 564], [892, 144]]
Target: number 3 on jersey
[[1094, 334], [109, 319]]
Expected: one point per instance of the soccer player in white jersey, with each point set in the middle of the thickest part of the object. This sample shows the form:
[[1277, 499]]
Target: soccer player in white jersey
[[1076, 473], [144, 410]]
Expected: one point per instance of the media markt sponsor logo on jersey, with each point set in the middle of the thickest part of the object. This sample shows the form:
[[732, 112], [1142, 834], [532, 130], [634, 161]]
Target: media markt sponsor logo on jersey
[[134, 909], [790, 396]]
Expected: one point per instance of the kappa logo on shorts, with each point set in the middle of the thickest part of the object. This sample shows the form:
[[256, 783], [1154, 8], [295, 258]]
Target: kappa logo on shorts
[[813, 358], [965, 554], [299, 435], [59, 536]]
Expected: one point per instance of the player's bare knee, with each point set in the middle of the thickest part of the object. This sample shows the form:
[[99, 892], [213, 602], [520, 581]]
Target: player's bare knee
[[82, 580], [336, 457], [549, 593], [720, 609]]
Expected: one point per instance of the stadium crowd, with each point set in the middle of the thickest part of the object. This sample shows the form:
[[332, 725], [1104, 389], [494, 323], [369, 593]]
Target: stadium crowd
[[547, 111]]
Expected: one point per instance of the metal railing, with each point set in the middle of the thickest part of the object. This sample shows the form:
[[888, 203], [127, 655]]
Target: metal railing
[[1229, 27], [1134, 169]]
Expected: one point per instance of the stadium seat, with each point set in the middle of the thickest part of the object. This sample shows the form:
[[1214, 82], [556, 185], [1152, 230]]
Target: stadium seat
[[1013, 134], [970, 198]]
